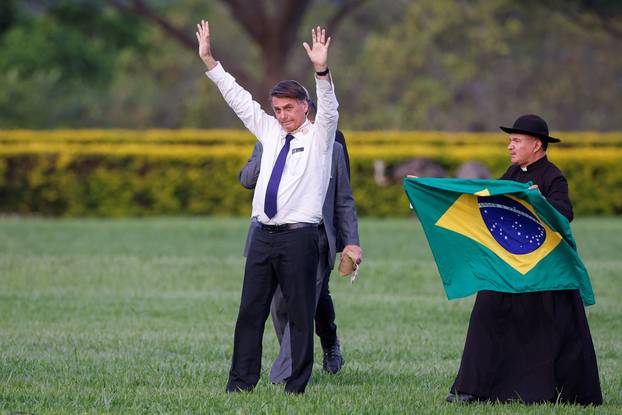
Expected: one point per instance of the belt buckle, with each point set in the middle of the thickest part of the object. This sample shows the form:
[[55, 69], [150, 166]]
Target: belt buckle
[[273, 228]]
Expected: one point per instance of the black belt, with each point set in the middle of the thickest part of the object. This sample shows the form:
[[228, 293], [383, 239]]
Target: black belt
[[286, 226]]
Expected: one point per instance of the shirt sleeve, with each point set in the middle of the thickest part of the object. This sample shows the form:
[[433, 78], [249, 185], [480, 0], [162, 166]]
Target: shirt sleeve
[[250, 172], [241, 102], [327, 116]]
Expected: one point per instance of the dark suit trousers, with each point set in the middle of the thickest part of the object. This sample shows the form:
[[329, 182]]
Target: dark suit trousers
[[325, 326], [282, 366], [288, 258]]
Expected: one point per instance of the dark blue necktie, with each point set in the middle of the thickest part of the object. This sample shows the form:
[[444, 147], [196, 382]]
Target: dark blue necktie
[[275, 179]]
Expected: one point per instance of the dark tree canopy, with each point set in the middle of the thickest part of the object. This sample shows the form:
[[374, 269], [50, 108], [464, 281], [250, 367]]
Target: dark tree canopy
[[403, 64]]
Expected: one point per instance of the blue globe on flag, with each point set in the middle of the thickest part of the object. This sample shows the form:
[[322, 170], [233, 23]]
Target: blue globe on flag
[[512, 225]]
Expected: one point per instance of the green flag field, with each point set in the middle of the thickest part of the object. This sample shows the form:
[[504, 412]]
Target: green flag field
[[136, 316]]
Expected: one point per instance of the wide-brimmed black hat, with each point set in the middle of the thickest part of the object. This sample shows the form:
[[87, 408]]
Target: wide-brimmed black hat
[[531, 125]]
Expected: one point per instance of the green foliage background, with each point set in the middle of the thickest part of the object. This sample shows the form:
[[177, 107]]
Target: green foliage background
[[443, 65], [452, 65]]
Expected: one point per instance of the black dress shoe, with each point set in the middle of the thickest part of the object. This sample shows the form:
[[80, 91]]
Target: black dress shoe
[[462, 398], [332, 359]]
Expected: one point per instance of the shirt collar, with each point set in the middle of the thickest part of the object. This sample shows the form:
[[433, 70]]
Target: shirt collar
[[530, 167], [303, 129]]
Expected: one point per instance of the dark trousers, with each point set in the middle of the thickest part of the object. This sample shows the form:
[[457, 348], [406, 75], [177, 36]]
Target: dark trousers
[[324, 322], [288, 258], [325, 326]]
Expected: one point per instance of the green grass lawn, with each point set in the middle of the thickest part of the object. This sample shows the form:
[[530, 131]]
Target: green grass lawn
[[137, 316]]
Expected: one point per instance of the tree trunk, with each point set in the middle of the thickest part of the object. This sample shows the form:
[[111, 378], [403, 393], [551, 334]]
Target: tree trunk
[[273, 26]]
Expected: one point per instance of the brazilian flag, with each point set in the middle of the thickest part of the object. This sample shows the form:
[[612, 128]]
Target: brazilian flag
[[496, 235]]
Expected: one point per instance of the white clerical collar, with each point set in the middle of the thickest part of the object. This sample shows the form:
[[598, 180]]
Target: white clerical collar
[[534, 163]]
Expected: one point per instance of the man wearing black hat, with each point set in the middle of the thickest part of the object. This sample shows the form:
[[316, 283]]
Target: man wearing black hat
[[531, 347]]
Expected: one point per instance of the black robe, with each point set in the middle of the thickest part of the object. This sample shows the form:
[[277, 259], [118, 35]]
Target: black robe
[[532, 347]]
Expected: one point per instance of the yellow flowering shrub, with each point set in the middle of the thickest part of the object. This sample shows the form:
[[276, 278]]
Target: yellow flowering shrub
[[158, 172], [223, 136]]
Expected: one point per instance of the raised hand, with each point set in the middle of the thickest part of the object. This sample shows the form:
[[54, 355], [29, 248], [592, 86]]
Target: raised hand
[[318, 52], [205, 51]]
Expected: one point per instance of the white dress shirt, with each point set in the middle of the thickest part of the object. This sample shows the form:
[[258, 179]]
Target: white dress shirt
[[306, 175]]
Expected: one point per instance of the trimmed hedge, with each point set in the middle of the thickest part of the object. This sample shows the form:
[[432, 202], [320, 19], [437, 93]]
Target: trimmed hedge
[[241, 137], [191, 172]]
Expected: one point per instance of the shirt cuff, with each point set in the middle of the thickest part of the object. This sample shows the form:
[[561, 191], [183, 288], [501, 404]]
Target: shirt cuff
[[216, 73], [351, 242]]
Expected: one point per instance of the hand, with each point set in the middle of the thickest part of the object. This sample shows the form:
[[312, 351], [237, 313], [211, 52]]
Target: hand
[[205, 51], [318, 52], [356, 252], [534, 186]]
